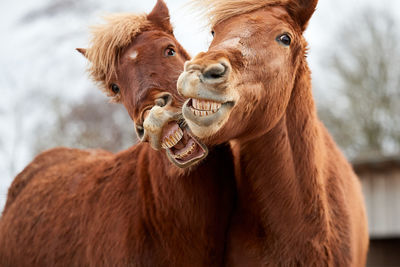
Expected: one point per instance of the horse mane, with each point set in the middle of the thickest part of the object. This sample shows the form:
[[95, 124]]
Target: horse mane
[[219, 10], [107, 42]]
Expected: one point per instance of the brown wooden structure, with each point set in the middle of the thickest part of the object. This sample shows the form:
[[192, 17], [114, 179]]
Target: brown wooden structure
[[380, 178]]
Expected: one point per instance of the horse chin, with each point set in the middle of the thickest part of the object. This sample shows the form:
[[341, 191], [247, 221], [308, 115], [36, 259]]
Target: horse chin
[[206, 125], [188, 151]]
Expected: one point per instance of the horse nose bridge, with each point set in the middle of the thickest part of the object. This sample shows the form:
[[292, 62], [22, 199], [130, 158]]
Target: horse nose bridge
[[192, 66], [195, 63]]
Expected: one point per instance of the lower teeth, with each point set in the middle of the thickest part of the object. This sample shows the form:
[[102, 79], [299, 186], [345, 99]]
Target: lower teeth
[[203, 113], [187, 152]]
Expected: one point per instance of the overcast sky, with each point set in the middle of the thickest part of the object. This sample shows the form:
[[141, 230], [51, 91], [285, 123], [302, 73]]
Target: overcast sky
[[37, 53]]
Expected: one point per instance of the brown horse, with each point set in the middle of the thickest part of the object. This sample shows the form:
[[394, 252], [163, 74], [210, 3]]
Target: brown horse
[[299, 201], [74, 207]]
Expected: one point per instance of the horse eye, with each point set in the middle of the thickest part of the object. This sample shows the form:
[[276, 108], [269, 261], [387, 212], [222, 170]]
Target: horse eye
[[115, 88], [284, 39], [169, 52], [212, 33]]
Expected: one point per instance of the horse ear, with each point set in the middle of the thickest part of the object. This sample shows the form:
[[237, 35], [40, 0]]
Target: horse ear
[[160, 16], [301, 11], [82, 51]]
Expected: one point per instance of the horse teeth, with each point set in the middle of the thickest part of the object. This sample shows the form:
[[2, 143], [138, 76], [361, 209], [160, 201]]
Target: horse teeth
[[186, 152], [173, 139], [196, 112], [205, 105], [179, 134], [191, 149], [194, 103], [215, 106], [169, 143]]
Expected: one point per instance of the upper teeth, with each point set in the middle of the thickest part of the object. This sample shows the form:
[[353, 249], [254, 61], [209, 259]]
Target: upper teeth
[[173, 139], [204, 107]]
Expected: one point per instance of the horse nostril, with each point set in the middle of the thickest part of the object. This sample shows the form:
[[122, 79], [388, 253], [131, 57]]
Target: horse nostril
[[163, 100], [216, 71], [140, 132]]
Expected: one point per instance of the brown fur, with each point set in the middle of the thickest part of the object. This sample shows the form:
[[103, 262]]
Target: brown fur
[[74, 207], [219, 10], [299, 201], [107, 43], [128, 209]]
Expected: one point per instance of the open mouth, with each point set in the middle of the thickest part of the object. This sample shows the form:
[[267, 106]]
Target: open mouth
[[183, 149], [205, 113]]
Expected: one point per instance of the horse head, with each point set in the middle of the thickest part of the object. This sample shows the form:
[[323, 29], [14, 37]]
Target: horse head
[[241, 86], [137, 60]]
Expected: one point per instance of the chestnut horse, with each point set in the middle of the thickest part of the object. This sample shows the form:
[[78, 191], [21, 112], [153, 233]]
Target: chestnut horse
[[74, 207], [299, 201]]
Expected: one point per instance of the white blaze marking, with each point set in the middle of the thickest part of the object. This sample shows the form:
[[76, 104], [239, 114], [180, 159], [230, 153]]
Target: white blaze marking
[[133, 55], [230, 43]]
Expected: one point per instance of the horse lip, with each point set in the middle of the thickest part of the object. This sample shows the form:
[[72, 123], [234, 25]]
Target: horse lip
[[157, 122]]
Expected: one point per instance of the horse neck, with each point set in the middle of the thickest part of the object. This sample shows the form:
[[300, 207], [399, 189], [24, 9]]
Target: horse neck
[[156, 167], [282, 169], [187, 197], [179, 187]]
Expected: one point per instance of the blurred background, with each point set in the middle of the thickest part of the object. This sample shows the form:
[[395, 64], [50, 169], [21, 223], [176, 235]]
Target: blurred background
[[47, 99]]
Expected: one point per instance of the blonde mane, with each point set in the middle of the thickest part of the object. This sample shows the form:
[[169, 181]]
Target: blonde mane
[[219, 10], [107, 42]]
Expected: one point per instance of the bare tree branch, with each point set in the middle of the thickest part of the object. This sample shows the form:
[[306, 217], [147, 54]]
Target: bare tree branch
[[367, 72]]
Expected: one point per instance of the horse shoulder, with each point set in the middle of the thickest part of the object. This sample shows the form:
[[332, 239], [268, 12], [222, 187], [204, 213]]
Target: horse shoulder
[[49, 198], [37, 167]]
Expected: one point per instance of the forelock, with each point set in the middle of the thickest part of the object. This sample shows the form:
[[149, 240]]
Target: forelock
[[107, 42], [217, 11]]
